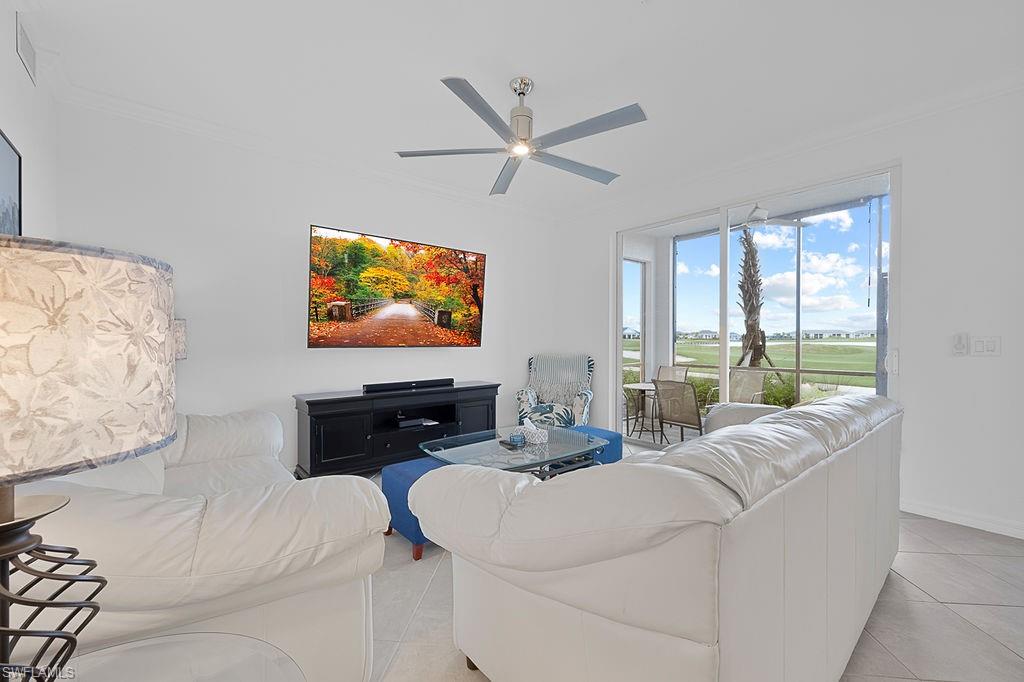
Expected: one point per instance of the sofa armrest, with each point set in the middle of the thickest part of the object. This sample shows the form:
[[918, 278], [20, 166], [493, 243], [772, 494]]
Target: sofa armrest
[[513, 520], [160, 552]]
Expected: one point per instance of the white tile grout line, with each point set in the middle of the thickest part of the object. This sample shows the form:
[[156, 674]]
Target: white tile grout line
[[401, 637]]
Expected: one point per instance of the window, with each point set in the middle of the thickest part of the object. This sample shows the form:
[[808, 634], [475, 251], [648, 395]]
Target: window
[[696, 280], [633, 320]]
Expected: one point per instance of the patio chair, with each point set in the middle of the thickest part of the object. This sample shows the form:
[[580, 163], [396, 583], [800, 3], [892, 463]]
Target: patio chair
[[558, 390], [677, 406], [745, 386], [673, 372]]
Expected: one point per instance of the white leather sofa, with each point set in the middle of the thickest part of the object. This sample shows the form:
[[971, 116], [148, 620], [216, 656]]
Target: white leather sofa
[[213, 534], [751, 554]]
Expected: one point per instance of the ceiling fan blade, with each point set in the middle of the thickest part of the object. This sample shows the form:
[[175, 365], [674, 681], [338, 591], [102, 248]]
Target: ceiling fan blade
[[452, 152], [468, 94], [505, 176], [590, 172], [592, 126]]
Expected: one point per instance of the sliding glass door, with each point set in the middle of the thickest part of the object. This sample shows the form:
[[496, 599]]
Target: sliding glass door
[[808, 294], [785, 298]]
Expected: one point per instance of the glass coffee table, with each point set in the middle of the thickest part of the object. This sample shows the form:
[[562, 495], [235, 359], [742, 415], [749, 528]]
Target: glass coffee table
[[566, 450]]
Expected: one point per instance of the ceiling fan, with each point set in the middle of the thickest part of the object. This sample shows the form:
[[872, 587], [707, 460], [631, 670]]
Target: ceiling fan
[[518, 136]]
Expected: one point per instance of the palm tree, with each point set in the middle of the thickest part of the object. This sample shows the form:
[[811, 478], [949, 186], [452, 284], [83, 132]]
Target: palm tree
[[751, 299]]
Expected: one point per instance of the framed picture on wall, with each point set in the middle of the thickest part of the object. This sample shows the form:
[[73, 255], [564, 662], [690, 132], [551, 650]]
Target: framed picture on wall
[[10, 187]]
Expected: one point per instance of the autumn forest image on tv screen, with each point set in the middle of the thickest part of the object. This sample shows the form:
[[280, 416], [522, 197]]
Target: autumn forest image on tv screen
[[370, 291]]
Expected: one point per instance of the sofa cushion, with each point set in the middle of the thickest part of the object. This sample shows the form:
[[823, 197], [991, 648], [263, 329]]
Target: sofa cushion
[[750, 460], [753, 460], [201, 438], [552, 414], [141, 475], [221, 475], [837, 421]]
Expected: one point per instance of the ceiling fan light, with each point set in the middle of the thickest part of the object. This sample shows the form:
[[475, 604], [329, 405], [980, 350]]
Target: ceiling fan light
[[520, 149]]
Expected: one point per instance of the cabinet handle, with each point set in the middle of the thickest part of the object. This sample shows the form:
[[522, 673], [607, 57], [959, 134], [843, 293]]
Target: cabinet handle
[[387, 445], [368, 436]]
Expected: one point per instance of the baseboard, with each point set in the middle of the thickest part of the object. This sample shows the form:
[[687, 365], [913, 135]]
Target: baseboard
[[979, 521]]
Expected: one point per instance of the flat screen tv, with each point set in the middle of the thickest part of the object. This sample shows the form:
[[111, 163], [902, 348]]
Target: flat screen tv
[[367, 291]]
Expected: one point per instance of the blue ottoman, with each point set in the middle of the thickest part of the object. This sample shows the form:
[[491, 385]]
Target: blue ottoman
[[609, 453], [395, 481]]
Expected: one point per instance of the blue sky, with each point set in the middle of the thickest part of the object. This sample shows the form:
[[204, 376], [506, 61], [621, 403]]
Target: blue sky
[[834, 277]]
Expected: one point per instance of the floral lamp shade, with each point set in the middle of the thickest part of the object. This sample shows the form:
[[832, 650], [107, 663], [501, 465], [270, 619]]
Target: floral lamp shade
[[86, 358]]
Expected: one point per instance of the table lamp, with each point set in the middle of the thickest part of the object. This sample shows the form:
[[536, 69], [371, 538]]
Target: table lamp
[[86, 379]]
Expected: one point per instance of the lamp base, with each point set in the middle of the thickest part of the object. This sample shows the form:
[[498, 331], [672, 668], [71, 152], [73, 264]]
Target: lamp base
[[52, 587]]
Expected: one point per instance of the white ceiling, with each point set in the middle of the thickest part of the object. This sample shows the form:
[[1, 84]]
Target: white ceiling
[[350, 83]]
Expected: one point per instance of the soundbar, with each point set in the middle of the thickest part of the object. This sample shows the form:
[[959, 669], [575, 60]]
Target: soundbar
[[407, 385]]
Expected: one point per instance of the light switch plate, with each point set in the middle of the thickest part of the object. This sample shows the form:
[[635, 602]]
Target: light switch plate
[[987, 346]]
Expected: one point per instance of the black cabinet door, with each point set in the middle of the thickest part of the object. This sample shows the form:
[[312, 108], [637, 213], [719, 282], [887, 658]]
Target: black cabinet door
[[476, 415], [337, 439]]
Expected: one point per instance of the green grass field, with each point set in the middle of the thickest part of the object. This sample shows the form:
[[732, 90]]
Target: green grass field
[[821, 355]]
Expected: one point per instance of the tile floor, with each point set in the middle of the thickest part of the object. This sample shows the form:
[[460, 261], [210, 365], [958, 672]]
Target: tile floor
[[951, 610]]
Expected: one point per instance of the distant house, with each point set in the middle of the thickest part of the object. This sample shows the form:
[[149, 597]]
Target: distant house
[[863, 334], [734, 336], [630, 333], [829, 334], [703, 334]]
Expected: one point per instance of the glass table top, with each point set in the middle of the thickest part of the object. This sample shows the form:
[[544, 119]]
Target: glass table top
[[485, 448], [189, 657]]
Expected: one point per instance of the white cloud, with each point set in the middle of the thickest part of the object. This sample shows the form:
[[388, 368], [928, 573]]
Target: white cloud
[[818, 303], [836, 220], [885, 249], [775, 238], [854, 247], [712, 271], [831, 264], [681, 268], [783, 284]]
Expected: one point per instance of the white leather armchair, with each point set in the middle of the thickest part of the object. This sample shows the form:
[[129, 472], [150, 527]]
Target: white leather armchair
[[213, 534]]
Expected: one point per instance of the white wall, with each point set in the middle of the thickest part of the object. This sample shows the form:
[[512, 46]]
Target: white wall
[[28, 119], [962, 236], [234, 224]]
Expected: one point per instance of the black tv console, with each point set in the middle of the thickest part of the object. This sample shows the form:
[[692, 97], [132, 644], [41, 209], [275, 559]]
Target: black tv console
[[352, 432]]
